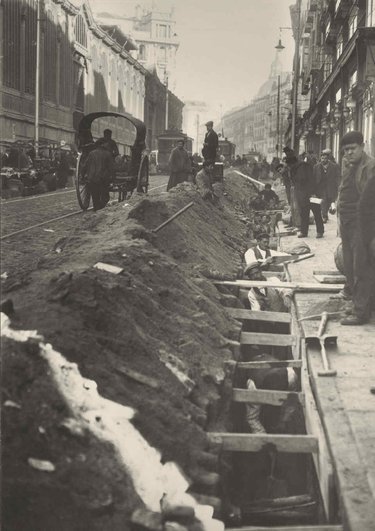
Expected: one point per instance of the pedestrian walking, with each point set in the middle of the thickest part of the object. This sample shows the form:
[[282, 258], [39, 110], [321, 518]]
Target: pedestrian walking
[[304, 188], [211, 143], [179, 165], [99, 168], [359, 170], [327, 177]]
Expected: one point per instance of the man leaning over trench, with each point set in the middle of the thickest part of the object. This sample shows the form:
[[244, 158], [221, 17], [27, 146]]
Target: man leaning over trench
[[359, 168]]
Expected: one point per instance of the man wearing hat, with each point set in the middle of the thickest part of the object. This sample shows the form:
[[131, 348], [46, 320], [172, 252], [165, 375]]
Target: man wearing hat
[[327, 177], [179, 165], [262, 252], [211, 143], [266, 299], [304, 187], [359, 168]]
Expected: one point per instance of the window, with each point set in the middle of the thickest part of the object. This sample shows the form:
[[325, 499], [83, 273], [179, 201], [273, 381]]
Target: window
[[142, 52], [50, 56], [353, 21], [370, 13], [80, 31], [162, 31], [162, 54], [353, 79], [11, 43], [339, 45], [338, 96]]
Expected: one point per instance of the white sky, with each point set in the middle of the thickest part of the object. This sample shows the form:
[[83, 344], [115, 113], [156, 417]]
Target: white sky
[[226, 46]]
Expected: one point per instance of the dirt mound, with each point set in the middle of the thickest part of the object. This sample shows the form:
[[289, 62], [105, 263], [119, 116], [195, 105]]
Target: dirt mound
[[153, 338]]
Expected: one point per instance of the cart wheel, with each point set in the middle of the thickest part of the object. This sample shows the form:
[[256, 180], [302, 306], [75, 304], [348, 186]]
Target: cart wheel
[[143, 175], [82, 187]]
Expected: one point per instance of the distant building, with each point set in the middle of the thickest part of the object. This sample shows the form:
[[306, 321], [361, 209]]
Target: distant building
[[260, 125], [337, 72], [195, 115], [154, 31], [83, 69]]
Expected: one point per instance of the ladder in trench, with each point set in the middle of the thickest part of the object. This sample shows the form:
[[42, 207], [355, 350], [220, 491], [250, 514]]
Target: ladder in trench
[[314, 442]]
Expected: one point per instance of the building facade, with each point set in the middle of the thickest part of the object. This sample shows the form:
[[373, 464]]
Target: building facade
[[260, 125], [337, 72], [154, 31], [84, 67]]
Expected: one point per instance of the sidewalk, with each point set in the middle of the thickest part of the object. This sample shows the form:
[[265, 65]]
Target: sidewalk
[[345, 403]]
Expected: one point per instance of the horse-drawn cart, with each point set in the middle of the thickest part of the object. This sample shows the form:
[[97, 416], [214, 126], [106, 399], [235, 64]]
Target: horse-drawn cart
[[131, 170]]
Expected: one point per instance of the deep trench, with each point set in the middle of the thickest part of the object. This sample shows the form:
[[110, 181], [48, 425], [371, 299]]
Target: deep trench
[[267, 488]]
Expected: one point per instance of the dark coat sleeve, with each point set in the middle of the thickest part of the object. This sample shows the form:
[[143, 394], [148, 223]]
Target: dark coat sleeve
[[367, 211]]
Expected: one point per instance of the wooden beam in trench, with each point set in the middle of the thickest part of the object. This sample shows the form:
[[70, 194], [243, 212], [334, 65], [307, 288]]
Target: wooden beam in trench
[[265, 396], [253, 442], [252, 315], [288, 528], [263, 338], [271, 364], [302, 286]]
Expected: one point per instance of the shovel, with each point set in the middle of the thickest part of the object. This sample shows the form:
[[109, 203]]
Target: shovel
[[323, 340]]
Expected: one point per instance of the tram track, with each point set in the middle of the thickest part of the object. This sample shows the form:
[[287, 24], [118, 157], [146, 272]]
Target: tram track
[[42, 222]]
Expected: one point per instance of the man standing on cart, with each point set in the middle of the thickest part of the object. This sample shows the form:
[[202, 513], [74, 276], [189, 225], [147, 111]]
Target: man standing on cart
[[99, 167]]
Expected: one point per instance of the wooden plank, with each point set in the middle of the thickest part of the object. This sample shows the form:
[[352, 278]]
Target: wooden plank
[[301, 286], [251, 315], [322, 460], [288, 528], [267, 364], [265, 396], [330, 279], [278, 274], [331, 272], [253, 442], [262, 338]]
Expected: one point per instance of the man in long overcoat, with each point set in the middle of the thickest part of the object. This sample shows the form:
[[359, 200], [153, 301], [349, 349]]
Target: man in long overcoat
[[327, 178], [211, 143], [304, 187], [359, 170], [179, 165]]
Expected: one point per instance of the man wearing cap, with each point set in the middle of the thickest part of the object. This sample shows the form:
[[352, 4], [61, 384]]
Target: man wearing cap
[[327, 177], [211, 143], [359, 168], [262, 252], [304, 187]]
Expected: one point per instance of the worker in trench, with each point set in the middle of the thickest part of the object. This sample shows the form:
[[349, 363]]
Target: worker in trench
[[262, 251], [282, 379]]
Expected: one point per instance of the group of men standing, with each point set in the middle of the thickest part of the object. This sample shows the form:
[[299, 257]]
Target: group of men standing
[[180, 161]]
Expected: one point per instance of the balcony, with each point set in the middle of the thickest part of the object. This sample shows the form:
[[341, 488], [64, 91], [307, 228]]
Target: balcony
[[331, 33], [342, 9]]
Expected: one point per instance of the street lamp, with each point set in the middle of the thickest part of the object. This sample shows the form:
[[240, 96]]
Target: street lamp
[[295, 70]]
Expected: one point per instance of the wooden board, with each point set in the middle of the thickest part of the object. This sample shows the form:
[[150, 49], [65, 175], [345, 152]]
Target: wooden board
[[251, 315], [301, 286], [322, 460], [288, 528], [266, 364], [265, 396], [327, 272], [330, 279], [253, 442], [262, 338]]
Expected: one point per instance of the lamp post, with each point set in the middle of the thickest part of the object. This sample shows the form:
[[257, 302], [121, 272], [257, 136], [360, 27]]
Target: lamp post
[[37, 78], [280, 47]]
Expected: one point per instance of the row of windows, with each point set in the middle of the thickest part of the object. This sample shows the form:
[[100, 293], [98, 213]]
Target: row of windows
[[19, 46]]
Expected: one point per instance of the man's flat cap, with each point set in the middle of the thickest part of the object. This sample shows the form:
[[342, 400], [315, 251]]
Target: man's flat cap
[[251, 266], [210, 122], [263, 235], [353, 137]]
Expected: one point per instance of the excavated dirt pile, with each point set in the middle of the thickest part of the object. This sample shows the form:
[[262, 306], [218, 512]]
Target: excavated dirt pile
[[153, 338]]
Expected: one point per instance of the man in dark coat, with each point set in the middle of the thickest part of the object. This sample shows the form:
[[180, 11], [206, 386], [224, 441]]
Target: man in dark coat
[[107, 139], [367, 217], [358, 172], [179, 165], [302, 177], [327, 177], [211, 143], [99, 167]]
